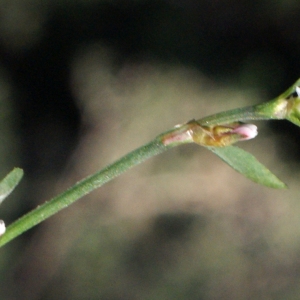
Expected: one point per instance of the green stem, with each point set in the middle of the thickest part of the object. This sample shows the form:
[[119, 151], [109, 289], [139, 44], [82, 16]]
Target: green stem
[[275, 109], [282, 107], [256, 112], [87, 185]]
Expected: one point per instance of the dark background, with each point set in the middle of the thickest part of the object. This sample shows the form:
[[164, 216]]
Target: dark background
[[250, 46]]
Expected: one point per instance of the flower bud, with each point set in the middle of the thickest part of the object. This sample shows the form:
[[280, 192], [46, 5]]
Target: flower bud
[[246, 131], [222, 135]]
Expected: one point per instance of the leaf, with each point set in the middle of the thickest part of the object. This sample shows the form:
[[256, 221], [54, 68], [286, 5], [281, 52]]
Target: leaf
[[9, 182], [246, 164]]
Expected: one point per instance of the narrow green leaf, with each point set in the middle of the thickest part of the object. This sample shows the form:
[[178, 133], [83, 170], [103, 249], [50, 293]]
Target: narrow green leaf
[[9, 182], [248, 165]]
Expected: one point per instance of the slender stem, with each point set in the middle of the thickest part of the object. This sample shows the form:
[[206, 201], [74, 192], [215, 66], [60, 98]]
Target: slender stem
[[85, 186], [275, 109], [239, 114]]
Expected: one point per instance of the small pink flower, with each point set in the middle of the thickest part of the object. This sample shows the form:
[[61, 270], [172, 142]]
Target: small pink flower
[[247, 131]]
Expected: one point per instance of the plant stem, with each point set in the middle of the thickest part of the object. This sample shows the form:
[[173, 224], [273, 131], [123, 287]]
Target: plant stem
[[275, 109], [255, 112], [84, 187]]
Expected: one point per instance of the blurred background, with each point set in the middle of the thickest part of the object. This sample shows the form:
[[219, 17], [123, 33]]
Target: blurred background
[[84, 82]]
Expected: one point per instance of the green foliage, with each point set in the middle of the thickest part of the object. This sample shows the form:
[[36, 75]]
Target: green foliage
[[246, 164], [9, 182], [216, 133]]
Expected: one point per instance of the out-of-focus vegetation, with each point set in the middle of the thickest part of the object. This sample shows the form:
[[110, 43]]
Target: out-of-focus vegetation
[[84, 82]]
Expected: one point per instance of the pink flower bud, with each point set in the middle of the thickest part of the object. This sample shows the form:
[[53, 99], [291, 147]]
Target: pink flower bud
[[221, 135], [247, 131], [214, 135]]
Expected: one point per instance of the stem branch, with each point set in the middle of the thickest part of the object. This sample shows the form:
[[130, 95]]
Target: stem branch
[[84, 187]]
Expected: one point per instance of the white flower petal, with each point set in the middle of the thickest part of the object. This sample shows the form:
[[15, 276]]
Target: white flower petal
[[298, 91], [2, 227]]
